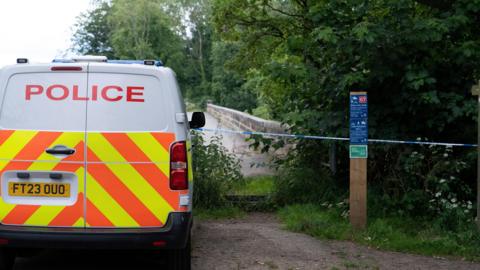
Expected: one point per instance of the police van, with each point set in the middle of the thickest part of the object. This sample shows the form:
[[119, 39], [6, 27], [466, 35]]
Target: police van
[[94, 154]]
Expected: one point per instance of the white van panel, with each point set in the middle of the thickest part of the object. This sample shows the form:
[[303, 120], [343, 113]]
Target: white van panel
[[37, 109], [128, 102]]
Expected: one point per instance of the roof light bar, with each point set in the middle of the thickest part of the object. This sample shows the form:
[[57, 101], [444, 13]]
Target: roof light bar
[[90, 58], [156, 63]]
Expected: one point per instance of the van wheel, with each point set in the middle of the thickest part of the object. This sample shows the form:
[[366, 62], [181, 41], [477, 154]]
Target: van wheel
[[180, 259], [7, 259]]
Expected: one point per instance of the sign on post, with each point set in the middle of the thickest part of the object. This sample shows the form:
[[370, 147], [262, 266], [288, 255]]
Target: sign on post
[[358, 158], [358, 151]]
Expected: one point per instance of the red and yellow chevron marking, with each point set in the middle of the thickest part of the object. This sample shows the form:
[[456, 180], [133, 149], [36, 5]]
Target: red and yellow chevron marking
[[126, 178], [25, 150]]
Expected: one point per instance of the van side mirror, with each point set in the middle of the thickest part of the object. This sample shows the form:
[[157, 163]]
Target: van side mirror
[[198, 120]]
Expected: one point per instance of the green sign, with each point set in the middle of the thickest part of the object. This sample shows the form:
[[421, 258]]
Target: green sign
[[358, 151]]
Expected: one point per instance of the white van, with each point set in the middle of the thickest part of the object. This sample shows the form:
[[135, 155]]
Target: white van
[[94, 154]]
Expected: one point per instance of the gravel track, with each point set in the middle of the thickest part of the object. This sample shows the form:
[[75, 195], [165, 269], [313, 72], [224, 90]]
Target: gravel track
[[256, 241], [259, 242]]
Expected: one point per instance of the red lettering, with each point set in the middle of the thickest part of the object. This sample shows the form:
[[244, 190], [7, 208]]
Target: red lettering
[[111, 87], [75, 94], [63, 88], [95, 92], [135, 91], [111, 93], [29, 91]]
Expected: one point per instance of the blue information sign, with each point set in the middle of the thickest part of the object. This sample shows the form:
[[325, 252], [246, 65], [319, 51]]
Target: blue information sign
[[358, 118]]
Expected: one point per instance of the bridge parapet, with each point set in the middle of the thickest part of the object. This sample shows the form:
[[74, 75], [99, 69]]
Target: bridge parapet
[[244, 121]]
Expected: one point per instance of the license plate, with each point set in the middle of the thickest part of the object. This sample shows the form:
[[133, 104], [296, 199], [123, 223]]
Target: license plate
[[21, 189]]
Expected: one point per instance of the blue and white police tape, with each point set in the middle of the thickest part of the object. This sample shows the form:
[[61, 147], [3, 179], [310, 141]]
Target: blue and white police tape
[[312, 137]]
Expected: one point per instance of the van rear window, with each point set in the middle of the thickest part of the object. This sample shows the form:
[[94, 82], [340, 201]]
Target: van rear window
[[42, 101], [128, 102], [65, 102]]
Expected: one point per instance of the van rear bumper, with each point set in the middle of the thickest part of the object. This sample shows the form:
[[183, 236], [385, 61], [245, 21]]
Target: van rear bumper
[[173, 235]]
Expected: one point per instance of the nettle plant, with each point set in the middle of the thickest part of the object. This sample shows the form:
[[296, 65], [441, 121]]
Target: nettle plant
[[438, 173]]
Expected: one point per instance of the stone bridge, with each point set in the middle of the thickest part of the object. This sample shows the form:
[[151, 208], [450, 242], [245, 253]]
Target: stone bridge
[[253, 163]]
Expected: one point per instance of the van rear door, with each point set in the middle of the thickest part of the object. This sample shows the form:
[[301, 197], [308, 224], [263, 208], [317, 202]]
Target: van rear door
[[42, 141], [130, 127]]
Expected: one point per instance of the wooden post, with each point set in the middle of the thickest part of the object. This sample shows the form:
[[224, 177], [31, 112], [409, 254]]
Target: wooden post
[[358, 192], [476, 92], [358, 159]]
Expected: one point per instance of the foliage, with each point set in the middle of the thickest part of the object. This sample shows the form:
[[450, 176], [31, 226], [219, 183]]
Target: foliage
[[416, 59], [428, 183], [228, 87], [312, 53], [92, 32], [195, 17], [192, 107], [329, 221], [143, 30], [216, 171], [299, 184]]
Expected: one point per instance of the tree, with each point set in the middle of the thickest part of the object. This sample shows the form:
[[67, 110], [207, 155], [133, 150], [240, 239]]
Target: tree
[[314, 52], [92, 32], [229, 88], [416, 59]]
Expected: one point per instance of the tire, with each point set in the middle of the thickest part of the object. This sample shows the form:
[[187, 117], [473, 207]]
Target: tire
[[180, 259], [7, 259]]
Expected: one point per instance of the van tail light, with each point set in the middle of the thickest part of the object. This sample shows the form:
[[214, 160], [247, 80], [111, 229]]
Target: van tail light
[[178, 166]]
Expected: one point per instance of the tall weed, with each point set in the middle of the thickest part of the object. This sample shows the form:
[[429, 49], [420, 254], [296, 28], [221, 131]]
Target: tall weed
[[215, 171]]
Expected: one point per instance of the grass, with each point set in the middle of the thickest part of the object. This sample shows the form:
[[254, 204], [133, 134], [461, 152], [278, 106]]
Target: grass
[[225, 212], [396, 234], [259, 185]]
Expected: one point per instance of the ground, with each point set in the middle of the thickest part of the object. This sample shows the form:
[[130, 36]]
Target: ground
[[256, 241], [259, 242]]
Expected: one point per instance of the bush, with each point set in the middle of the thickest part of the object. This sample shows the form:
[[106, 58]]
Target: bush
[[448, 196], [215, 171], [304, 185], [427, 183]]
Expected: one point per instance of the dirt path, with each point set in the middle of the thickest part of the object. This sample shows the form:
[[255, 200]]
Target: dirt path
[[258, 242]]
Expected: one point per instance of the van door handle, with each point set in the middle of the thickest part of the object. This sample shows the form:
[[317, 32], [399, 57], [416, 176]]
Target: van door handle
[[60, 150]]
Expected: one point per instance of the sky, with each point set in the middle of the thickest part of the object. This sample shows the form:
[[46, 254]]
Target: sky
[[39, 30]]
